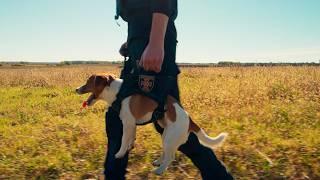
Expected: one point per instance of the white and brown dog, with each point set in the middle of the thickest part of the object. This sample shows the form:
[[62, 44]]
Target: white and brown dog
[[138, 109]]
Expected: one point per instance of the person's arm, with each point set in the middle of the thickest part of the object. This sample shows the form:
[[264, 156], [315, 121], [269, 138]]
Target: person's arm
[[152, 57]]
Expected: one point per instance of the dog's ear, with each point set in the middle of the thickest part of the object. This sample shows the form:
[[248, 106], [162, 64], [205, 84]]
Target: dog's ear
[[104, 79], [110, 78]]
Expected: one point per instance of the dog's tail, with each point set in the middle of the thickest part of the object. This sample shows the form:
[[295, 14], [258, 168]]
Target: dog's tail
[[211, 142], [204, 139]]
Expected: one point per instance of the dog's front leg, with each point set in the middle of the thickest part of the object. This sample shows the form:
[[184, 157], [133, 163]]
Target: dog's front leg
[[129, 129]]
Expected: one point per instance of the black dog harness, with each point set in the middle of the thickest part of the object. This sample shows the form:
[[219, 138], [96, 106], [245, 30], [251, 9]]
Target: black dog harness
[[151, 85]]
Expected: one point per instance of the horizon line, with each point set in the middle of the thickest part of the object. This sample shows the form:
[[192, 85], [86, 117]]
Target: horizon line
[[120, 61]]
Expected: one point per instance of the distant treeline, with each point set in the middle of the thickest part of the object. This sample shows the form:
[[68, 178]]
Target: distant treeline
[[235, 64], [90, 62], [120, 63]]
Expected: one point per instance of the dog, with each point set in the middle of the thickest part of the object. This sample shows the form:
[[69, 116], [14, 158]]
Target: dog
[[137, 109]]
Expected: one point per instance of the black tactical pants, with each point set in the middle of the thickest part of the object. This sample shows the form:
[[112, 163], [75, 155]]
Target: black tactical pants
[[202, 157]]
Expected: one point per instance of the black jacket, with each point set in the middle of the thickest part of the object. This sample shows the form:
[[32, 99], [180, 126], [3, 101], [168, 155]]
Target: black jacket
[[127, 8], [138, 14]]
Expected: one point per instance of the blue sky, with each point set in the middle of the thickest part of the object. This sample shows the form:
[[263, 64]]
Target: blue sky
[[208, 30]]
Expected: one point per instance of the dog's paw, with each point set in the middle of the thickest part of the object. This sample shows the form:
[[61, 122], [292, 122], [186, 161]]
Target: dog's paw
[[156, 162], [120, 154], [159, 171]]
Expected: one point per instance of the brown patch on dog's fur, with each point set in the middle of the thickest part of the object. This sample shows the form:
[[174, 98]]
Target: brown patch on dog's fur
[[105, 79], [101, 81], [141, 105], [193, 127]]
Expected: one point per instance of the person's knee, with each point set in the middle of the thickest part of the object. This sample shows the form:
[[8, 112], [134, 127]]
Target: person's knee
[[113, 124], [114, 131], [191, 146], [205, 159], [114, 168], [112, 116]]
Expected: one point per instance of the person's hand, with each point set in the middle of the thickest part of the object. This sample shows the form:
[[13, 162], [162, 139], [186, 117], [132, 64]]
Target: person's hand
[[152, 58]]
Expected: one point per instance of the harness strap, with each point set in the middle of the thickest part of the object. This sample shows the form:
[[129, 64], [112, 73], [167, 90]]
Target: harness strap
[[157, 114]]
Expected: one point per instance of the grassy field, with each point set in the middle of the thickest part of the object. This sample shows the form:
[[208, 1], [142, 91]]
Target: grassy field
[[272, 115]]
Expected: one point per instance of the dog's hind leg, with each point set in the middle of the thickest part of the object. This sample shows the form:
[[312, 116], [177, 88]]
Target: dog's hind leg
[[175, 134], [129, 129], [158, 161], [168, 155], [171, 141]]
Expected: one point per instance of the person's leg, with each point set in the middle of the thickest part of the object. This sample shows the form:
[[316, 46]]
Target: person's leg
[[204, 159], [115, 169]]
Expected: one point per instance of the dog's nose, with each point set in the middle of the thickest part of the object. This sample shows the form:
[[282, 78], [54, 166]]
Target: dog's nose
[[77, 90]]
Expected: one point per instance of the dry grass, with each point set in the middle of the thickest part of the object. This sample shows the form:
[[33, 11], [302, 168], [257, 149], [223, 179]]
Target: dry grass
[[272, 115]]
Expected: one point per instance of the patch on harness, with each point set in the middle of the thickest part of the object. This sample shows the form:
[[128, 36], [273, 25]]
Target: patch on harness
[[146, 83]]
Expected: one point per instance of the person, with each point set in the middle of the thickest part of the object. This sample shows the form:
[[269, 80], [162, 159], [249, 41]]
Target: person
[[151, 46]]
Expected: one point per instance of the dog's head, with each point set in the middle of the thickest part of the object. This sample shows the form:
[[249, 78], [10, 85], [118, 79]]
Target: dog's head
[[95, 85]]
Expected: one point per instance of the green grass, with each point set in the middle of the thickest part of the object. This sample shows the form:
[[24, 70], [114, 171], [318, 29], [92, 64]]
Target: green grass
[[272, 116], [46, 134]]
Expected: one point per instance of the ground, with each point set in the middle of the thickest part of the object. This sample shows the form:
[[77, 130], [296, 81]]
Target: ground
[[272, 115]]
